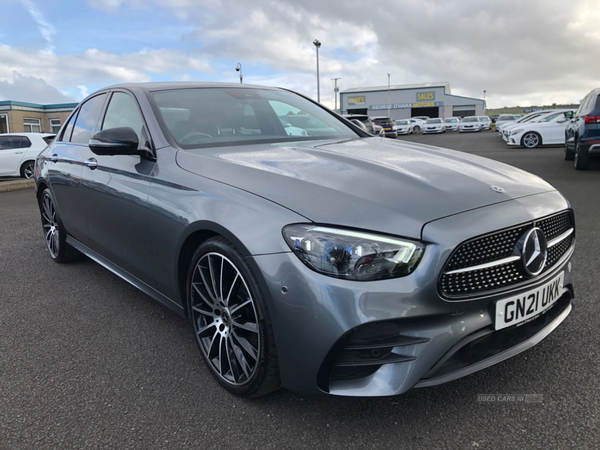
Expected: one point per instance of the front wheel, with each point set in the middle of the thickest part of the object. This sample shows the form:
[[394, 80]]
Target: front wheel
[[230, 320], [417, 128], [531, 140]]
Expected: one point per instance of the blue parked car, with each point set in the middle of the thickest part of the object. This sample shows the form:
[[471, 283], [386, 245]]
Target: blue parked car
[[582, 135]]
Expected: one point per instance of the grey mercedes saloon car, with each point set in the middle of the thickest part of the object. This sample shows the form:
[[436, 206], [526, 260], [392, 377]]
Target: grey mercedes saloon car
[[305, 252]]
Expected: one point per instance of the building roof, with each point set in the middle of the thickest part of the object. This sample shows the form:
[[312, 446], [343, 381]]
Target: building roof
[[396, 87], [10, 104]]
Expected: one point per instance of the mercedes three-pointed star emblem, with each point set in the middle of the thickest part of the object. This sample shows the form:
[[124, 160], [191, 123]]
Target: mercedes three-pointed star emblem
[[534, 251]]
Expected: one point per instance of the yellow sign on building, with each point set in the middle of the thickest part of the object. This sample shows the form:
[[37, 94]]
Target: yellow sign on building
[[356, 100], [421, 96]]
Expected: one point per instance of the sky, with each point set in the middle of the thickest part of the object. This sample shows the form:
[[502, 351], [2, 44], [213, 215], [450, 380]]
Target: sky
[[522, 53]]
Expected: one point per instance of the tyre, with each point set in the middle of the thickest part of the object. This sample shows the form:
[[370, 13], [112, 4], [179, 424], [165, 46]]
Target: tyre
[[581, 158], [417, 128], [230, 320], [568, 154], [55, 235], [531, 140], [27, 169]]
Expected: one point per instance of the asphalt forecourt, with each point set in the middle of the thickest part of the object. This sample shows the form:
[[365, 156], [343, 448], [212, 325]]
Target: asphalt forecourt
[[88, 361]]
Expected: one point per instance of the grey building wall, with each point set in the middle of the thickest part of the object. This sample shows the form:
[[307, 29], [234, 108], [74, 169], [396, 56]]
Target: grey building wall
[[403, 101]]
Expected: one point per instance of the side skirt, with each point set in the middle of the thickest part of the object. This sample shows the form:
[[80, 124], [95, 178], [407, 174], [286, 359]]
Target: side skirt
[[145, 288]]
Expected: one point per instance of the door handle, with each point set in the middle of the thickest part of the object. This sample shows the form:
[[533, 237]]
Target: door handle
[[54, 158], [19, 153], [92, 163]]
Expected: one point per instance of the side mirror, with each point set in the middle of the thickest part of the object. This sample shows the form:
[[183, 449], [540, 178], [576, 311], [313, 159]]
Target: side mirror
[[569, 114], [115, 141]]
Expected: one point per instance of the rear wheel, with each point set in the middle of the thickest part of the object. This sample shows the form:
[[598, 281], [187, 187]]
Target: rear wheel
[[568, 153], [582, 158], [230, 320], [417, 128], [27, 169], [54, 231]]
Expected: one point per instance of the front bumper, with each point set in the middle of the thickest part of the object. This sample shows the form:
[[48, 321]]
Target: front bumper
[[467, 130], [317, 319], [437, 130]]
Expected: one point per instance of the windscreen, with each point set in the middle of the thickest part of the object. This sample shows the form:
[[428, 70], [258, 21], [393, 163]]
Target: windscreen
[[450, 120], [235, 116], [433, 121], [470, 119]]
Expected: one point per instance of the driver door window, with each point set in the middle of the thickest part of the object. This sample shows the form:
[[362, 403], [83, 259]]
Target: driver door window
[[123, 111]]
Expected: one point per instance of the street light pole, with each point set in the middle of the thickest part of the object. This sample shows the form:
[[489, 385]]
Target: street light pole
[[238, 68], [484, 101], [318, 45], [389, 104], [335, 92]]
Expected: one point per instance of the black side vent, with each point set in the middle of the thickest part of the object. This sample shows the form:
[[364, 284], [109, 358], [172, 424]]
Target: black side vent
[[369, 347]]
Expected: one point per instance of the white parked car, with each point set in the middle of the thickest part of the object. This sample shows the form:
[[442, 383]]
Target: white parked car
[[404, 126], [537, 116], [486, 123], [469, 123], [18, 152], [434, 126], [451, 123], [418, 122], [504, 119], [548, 130]]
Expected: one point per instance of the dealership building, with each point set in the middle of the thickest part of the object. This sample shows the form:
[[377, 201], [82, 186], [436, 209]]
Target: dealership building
[[409, 100]]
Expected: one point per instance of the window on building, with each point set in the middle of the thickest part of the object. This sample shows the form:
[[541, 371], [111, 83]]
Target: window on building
[[3, 123], [32, 126], [54, 125]]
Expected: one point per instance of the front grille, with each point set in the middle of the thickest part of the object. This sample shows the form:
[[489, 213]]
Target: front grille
[[497, 246]]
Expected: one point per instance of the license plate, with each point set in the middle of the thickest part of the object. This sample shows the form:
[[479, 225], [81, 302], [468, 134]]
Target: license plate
[[524, 307], [387, 129]]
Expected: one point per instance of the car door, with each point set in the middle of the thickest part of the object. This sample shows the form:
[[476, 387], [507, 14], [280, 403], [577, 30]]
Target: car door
[[64, 165], [115, 189], [12, 149], [556, 129], [576, 122]]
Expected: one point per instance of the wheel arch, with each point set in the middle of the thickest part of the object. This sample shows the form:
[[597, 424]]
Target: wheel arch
[[194, 236]]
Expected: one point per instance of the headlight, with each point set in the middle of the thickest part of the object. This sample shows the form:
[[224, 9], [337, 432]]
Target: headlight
[[520, 130], [352, 255]]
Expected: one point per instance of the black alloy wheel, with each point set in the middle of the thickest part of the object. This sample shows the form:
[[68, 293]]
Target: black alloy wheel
[[55, 236], [230, 320]]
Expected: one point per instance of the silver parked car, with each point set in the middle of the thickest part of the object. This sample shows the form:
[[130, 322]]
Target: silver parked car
[[323, 261], [451, 123]]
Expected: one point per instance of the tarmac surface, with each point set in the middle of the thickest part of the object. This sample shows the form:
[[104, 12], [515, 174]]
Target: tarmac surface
[[88, 361]]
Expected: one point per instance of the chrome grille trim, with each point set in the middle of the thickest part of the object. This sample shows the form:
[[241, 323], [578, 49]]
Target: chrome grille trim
[[498, 262], [562, 237]]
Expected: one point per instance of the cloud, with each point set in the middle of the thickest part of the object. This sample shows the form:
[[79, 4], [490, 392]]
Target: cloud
[[520, 52], [30, 89], [46, 28]]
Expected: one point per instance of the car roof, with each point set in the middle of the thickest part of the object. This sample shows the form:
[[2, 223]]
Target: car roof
[[28, 134], [166, 85]]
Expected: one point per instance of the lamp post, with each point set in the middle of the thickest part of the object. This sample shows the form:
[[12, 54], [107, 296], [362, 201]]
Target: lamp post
[[335, 92], [318, 45], [238, 68], [484, 101], [389, 104]]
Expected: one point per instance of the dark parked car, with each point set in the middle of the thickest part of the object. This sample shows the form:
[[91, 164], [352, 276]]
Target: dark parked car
[[366, 121], [582, 135], [323, 260], [389, 126], [494, 118]]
